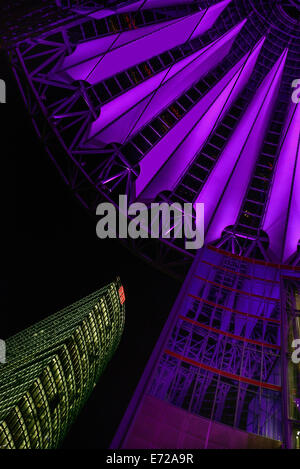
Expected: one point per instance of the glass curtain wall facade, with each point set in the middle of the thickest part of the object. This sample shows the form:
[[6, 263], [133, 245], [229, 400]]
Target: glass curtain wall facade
[[52, 367], [291, 333], [189, 102]]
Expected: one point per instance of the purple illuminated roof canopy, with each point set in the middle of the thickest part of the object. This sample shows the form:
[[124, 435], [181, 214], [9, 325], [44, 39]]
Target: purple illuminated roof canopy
[[186, 101]]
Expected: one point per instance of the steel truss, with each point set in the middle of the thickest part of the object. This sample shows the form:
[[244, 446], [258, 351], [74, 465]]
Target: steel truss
[[64, 109]]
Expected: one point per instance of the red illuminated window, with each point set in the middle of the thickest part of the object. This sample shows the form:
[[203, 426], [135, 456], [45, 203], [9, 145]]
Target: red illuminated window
[[122, 295]]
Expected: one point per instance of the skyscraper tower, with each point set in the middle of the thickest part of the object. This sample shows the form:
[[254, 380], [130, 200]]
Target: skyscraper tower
[[191, 101], [52, 367]]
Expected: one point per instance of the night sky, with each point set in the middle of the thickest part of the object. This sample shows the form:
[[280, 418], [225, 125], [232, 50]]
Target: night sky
[[51, 257]]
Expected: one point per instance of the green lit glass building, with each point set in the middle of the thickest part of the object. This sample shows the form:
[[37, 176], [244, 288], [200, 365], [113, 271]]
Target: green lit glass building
[[52, 367]]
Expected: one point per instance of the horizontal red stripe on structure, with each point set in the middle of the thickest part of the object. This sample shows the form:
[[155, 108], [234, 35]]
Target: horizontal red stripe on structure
[[235, 311], [241, 292], [291, 277], [228, 334], [240, 274], [254, 261], [226, 374]]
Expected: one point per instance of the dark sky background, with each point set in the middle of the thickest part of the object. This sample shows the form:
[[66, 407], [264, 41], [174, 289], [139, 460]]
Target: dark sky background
[[51, 257]]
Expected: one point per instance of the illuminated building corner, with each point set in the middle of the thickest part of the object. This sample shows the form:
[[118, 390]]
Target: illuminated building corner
[[53, 366]]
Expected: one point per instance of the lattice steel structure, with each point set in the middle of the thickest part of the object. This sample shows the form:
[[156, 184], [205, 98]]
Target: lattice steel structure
[[290, 286], [52, 367], [190, 101], [177, 101], [221, 375]]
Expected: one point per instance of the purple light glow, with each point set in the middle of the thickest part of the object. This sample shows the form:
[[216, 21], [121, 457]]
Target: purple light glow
[[282, 221], [128, 113], [138, 5], [181, 145], [187, 105]]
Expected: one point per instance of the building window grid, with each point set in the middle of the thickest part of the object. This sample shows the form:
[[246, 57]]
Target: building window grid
[[90, 336], [40, 395], [90, 333], [171, 388], [75, 356], [48, 396], [93, 328], [69, 372], [31, 418], [83, 356], [18, 429], [55, 401], [61, 385]]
